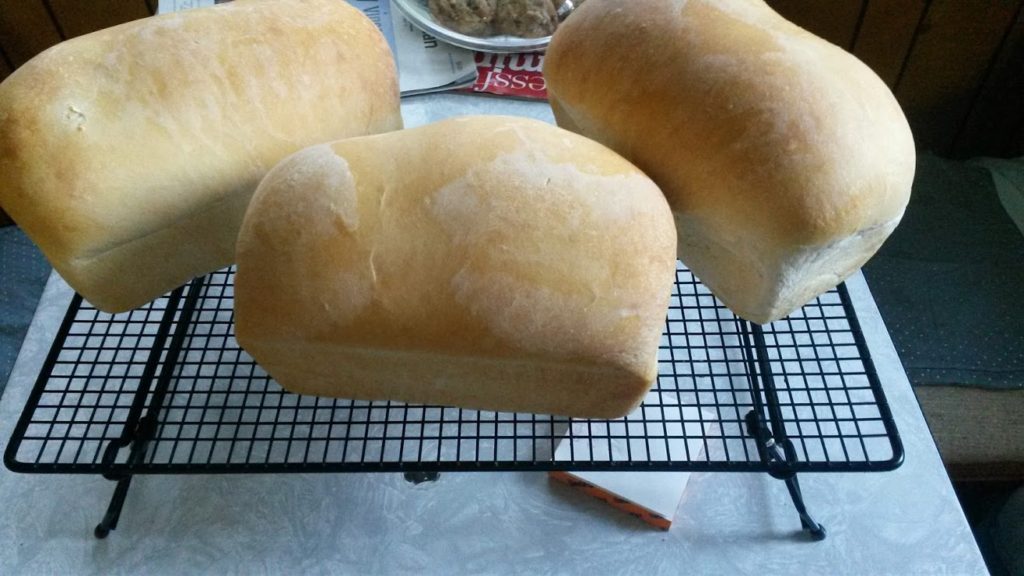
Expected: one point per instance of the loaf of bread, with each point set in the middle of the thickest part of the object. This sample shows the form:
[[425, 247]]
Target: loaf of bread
[[484, 262], [129, 155], [786, 161]]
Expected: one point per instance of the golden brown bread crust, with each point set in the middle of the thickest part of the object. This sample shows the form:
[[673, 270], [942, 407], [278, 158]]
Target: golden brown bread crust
[[484, 262], [786, 160], [129, 155]]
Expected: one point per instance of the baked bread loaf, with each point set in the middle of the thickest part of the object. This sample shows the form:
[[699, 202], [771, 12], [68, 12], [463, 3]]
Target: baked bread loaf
[[786, 161], [129, 155], [484, 262]]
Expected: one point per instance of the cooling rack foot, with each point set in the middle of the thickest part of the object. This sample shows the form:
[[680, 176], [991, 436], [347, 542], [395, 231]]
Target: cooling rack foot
[[421, 477], [817, 532]]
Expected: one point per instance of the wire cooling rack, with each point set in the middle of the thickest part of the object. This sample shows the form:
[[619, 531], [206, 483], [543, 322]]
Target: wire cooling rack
[[166, 389]]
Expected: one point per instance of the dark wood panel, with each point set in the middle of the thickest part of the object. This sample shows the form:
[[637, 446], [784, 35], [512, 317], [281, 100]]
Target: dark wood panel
[[25, 29], [76, 17], [886, 35], [948, 61], [998, 111], [5, 68], [833, 20], [151, 6]]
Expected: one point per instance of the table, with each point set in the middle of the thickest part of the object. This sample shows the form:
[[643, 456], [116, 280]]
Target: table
[[902, 522]]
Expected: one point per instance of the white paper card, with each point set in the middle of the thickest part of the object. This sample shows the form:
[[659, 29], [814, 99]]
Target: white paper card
[[659, 492]]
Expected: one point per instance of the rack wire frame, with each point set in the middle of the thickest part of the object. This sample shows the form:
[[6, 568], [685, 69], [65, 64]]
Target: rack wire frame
[[166, 389]]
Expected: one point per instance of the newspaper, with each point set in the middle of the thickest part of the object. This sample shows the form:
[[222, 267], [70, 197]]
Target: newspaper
[[424, 63], [517, 75]]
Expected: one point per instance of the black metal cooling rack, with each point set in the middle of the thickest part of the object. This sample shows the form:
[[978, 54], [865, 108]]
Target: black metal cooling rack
[[166, 389]]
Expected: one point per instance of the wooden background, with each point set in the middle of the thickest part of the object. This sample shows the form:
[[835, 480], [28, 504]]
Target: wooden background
[[956, 66]]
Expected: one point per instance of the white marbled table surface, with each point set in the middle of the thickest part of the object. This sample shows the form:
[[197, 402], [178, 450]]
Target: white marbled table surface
[[902, 522]]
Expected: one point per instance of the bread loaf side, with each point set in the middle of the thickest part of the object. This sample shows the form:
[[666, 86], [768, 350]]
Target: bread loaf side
[[129, 155], [786, 161], [484, 262]]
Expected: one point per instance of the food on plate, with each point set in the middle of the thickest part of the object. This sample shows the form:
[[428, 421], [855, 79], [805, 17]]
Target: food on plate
[[472, 17], [786, 161], [526, 18], [129, 155], [523, 18], [484, 262]]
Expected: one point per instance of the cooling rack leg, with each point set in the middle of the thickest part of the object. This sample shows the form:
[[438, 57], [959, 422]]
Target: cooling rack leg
[[770, 452], [142, 423], [110, 519], [817, 531]]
